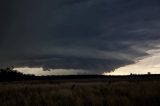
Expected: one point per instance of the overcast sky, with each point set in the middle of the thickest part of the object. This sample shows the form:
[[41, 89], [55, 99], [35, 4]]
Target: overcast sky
[[95, 36]]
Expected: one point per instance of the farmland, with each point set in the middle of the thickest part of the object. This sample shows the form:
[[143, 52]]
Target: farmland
[[80, 93]]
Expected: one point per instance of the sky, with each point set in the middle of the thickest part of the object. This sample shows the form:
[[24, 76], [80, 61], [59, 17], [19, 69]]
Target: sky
[[79, 36], [149, 64]]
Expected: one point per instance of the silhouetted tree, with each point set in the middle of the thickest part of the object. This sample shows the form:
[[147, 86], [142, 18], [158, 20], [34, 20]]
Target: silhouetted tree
[[10, 74], [149, 73]]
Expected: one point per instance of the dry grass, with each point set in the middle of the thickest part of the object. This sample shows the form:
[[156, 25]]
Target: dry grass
[[80, 94]]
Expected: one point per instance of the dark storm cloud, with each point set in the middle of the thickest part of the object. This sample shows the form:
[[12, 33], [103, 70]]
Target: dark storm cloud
[[82, 34]]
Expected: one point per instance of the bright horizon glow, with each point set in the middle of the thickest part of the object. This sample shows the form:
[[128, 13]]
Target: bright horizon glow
[[149, 63], [40, 71]]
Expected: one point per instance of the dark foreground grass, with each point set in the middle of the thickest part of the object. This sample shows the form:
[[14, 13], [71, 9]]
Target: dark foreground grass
[[80, 94]]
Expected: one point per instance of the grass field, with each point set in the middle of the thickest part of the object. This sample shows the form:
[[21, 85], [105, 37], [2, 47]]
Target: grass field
[[122, 93]]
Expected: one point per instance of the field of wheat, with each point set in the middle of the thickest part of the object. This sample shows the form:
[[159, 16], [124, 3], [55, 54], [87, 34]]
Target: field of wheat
[[80, 94]]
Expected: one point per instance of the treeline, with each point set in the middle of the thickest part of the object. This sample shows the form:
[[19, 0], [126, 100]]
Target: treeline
[[9, 74]]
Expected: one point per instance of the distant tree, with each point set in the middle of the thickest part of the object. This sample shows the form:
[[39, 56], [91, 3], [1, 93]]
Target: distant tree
[[149, 73], [10, 74]]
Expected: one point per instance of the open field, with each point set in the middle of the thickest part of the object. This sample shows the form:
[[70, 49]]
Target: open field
[[51, 93]]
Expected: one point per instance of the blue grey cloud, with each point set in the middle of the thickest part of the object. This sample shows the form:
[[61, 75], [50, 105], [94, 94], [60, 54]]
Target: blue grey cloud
[[95, 35]]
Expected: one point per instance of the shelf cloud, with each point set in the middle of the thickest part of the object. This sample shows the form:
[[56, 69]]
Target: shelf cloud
[[92, 35]]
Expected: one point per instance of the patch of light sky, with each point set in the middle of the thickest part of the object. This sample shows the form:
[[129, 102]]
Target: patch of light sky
[[40, 71], [150, 63]]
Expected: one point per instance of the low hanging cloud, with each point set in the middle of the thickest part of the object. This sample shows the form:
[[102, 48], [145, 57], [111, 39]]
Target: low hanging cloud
[[77, 34]]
